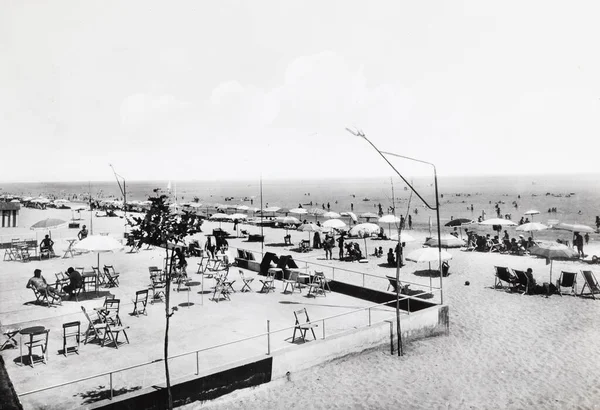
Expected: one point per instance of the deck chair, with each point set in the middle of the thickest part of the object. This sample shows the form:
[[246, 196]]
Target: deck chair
[[38, 339], [522, 283], [393, 284], [591, 283], [318, 284], [303, 327], [71, 330], [504, 275], [41, 297], [111, 276], [140, 302], [102, 331], [291, 282], [61, 280], [267, 283], [110, 311], [10, 334], [100, 276], [567, 280], [246, 281]]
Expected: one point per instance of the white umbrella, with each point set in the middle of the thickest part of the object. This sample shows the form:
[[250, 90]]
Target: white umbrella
[[427, 255], [195, 204], [352, 215], [447, 241], [220, 216], [272, 209], [288, 220], [531, 212], [331, 214], [238, 216], [298, 211], [98, 244], [531, 226], [573, 227], [389, 219], [404, 237], [242, 207], [498, 221], [309, 228], [365, 228], [334, 223], [368, 215], [553, 251]]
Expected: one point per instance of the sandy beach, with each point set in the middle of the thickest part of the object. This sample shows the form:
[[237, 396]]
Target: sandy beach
[[505, 350]]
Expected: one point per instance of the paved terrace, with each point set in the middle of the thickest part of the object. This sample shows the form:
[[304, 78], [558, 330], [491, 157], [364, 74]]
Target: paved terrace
[[202, 325]]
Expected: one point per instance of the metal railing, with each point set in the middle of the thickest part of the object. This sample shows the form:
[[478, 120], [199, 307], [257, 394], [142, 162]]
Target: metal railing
[[268, 334]]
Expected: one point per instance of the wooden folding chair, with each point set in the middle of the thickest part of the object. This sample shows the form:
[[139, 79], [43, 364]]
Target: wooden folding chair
[[292, 282], [10, 337], [111, 275], [61, 280], [567, 280], [140, 302], [317, 285], [221, 292], [38, 339], [247, 281], [268, 282], [71, 330], [100, 276], [109, 313], [303, 327], [158, 287], [591, 283]]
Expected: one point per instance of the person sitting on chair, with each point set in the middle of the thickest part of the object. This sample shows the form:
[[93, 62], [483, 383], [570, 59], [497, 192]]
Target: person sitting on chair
[[47, 244], [180, 257], [391, 259], [75, 282], [38, 282]]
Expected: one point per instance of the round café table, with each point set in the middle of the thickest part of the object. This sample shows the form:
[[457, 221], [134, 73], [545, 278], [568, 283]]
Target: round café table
[[28, 331], [189, 285]]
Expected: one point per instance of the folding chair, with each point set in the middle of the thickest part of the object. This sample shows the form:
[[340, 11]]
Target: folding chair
[[112, 333], [101, 277], [522, 281], [141, 299], [303, 328], [111, 276], [61, 280], [221, 290], [225, 281], [246, 281], [158, 287], [293, 281], [591, 283], [267, 283], [96, 328], [317, 285], [38, 339], [9, 254], [71, 330], [110, 311], [503, 275], [41, 297], [10, 337], [567, 280]]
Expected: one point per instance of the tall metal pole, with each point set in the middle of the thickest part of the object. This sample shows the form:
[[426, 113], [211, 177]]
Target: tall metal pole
[[435, 208]]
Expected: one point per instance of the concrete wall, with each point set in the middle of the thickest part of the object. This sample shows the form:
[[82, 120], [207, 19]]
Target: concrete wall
[[254, 371]]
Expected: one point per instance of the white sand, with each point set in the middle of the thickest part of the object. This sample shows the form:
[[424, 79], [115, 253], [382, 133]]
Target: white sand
[[504, 350]]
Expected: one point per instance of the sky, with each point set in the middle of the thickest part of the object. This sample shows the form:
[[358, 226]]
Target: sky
[[235, 90]]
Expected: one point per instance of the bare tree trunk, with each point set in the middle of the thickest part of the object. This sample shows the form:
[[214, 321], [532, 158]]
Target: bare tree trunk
[[168, 318]]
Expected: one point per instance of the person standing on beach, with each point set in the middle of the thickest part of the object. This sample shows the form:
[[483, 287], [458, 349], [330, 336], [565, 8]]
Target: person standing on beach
[[410, 222], [340, 242], [587, 238], [317, 241], [578, 242], [327, 247]]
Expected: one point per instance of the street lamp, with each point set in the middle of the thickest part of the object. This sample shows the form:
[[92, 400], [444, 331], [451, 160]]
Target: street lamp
[[359, 133]]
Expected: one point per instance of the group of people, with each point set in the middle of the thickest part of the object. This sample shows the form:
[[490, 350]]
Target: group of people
[[39, 283], [507, 244]]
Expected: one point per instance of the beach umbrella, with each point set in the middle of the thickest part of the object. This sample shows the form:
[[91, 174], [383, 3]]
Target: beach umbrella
[[288, 220], [532, 212], [195, 205], [237, 216], [283, 210], [366, 228], [334, 224], [389, 219], [446, 241], [552, 251], [309, 228], [272, 209], [352, 215], [331, 215], [427, 255], [99, 244], [316, 211], [242, 207], [404, 237], [459, 222], [573, 227], [220, 216], [14, 200], [498, 221], [47, 224], [531, 227], [298, 211]]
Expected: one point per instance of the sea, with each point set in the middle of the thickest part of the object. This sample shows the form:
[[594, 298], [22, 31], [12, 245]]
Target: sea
[[563, 198]]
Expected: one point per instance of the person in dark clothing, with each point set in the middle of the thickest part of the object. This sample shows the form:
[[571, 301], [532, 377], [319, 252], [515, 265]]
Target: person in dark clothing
[[578, 242], [180, 258], [317, 241], [75, 282], [390, 258], [341, 245]]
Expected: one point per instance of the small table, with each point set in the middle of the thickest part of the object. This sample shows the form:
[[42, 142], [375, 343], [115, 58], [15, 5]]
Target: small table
[[28, 331], [189, 284], [69, 250]]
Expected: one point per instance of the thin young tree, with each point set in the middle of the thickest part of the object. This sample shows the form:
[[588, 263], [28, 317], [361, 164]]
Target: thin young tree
[[162, 228]]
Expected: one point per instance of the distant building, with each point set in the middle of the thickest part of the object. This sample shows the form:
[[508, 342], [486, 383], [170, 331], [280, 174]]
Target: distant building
[[10, 214]]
